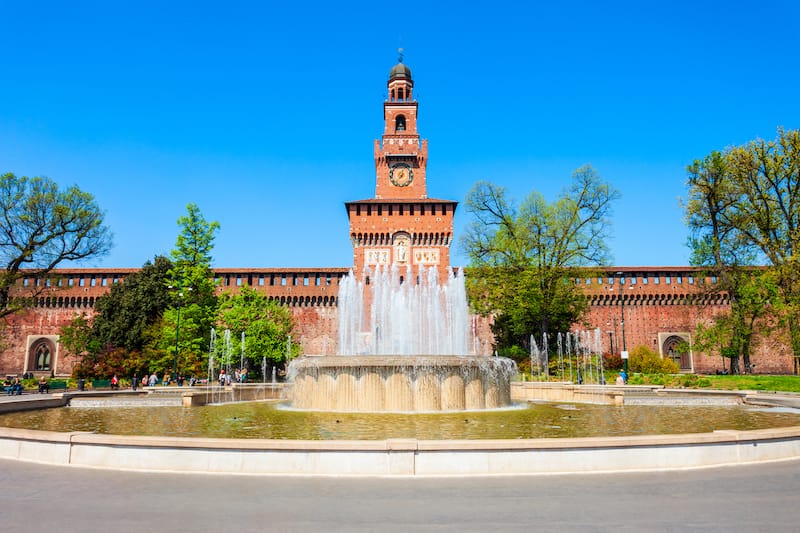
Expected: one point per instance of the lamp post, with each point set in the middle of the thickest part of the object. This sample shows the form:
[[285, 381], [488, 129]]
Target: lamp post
[[177, 331], [624, 352]]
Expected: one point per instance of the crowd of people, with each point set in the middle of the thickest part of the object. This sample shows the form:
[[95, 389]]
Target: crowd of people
[[13, 385]]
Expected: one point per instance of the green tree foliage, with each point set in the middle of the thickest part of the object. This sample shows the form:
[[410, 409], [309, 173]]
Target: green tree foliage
[[124, 314], [119, 338], [265, 323], [77, 336], [187, 323], [192, 258], [732, 335], [192, 338], [523, 258], [744, 207], [41, 227]]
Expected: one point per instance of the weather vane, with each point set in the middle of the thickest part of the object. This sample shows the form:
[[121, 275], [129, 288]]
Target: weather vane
[[400, 52]]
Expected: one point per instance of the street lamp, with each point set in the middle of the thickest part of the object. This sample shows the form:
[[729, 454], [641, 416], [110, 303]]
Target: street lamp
[[624, 352], [177, 331]]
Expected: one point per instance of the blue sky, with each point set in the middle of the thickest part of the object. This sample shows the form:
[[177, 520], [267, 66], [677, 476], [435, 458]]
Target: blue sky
[[264, 114]]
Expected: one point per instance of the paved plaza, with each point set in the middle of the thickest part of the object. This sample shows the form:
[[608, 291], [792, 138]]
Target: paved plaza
[[744, 498]]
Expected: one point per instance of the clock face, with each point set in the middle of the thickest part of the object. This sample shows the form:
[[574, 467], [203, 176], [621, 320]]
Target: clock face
[[401, 175]]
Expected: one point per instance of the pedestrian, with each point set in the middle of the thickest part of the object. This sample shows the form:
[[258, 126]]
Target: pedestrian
[[153, 379], [135, 381]]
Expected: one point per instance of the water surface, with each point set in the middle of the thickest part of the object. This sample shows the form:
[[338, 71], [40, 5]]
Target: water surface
[[268, 420]]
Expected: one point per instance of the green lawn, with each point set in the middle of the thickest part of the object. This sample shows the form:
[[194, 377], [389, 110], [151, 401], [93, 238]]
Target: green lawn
[[756, 382], [739, 382]]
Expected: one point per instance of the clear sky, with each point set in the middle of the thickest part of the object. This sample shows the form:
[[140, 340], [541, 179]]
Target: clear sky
[[264, 113]]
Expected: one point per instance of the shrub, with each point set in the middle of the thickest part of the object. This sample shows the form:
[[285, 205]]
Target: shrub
[[643, 359], [612, 361]]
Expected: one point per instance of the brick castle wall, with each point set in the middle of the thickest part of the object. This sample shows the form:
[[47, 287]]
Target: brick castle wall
[[657, 303]]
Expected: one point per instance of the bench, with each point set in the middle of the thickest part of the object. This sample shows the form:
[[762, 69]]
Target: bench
[[101, 383], [52, 385]]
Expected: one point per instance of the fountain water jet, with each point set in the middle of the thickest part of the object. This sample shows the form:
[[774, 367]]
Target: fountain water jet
[[403, 347]]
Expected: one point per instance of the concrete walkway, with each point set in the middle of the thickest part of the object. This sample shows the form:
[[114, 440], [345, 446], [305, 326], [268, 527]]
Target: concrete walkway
[[66, 499]]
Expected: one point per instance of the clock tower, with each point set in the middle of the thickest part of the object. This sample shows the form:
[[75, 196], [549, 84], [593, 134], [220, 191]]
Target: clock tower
[[401, 226]]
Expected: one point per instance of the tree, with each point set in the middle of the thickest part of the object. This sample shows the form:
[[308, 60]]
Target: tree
[[129, 308], [77, 336], [717, 244], [265, 323], [191, 272], [744, 206], [523, 258], [185, 331], [119, 338], [41, 227], [733, 334]]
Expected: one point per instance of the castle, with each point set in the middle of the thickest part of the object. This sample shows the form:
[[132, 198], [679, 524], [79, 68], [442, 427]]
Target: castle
[[658, 307]]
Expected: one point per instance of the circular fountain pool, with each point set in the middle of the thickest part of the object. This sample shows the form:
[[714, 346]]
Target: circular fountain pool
[[270, 420]]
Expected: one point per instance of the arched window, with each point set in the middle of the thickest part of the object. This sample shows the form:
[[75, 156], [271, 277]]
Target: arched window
[[400, 123], [41, 355]]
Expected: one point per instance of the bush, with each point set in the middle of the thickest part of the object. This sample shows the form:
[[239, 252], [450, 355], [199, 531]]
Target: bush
[[643, 359], [612, 361]]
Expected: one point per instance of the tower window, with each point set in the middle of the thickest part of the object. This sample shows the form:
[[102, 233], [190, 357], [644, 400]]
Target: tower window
[[400, 123]]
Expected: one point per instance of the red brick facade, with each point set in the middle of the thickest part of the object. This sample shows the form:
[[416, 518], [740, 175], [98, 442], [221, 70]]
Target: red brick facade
[[401, 225], [655, 306], [658, 305]]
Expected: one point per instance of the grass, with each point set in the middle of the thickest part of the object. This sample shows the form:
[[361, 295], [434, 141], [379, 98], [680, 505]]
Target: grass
[[729, 382]]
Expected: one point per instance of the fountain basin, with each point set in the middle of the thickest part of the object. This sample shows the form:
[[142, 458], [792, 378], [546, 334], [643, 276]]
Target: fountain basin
[[381, 383]]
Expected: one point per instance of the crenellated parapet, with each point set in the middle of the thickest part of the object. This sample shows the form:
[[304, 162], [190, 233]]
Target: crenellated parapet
[[79, 289]]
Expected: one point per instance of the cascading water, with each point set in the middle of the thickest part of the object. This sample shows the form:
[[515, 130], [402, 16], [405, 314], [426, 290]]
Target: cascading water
[[404, 345], [404, 318]]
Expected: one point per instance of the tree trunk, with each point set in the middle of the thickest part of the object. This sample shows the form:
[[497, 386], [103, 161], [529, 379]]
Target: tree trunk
[[794, 334]]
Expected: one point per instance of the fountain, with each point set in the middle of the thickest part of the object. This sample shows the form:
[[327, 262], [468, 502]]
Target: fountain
[[406, 352]]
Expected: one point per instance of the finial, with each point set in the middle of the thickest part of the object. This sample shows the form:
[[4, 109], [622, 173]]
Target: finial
[[400, 58]]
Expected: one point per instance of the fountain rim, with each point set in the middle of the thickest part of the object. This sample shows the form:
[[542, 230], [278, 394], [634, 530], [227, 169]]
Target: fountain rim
[[334, 361], [397, 457]]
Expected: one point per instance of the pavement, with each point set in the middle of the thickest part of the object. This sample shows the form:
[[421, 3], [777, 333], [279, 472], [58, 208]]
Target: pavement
[[743, 498]]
